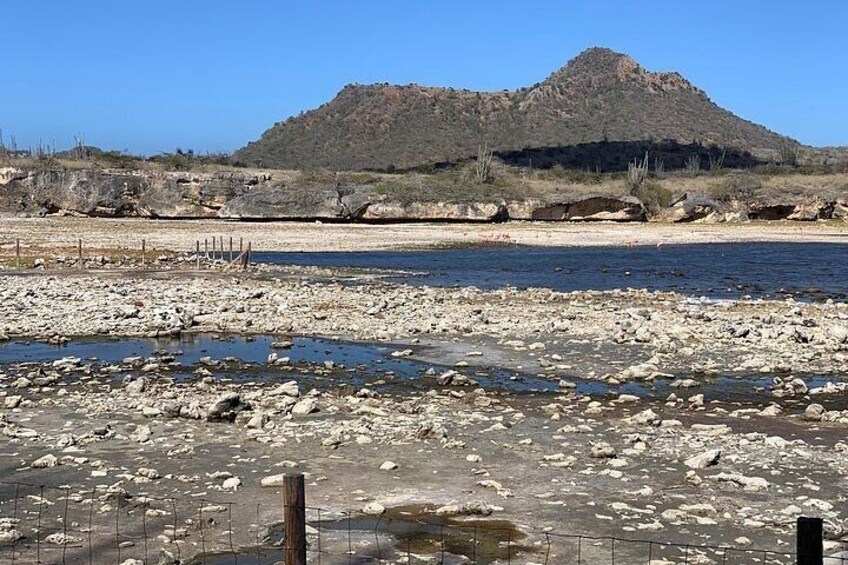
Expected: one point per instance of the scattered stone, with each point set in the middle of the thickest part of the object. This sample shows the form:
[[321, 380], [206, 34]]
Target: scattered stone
[[305, 406], [374, 509], [704, 460], [226, 407], [44, 462], [814, 413], [233, 483], [602, 450]]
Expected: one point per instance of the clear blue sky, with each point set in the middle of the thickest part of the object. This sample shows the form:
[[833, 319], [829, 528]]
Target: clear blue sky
[[149, 76]]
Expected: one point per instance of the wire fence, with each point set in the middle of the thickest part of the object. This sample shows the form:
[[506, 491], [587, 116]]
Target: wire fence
[[107, 524], [229, 254]]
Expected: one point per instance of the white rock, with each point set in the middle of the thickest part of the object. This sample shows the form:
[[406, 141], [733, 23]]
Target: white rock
[[374, 509], [704, 460], [233, 483], [305, 406], [44, 462]]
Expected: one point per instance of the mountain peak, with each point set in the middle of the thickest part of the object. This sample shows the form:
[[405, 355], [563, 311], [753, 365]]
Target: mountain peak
[[600, 59], [599, 65]]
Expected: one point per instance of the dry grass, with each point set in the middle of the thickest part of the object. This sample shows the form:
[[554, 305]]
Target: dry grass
[[507, 183]]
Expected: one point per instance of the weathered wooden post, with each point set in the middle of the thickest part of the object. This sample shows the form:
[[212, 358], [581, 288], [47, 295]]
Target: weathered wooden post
[[221, 241], [197, 253], [213, 247], [241, 244], [79, 254], [18, 253], [231, 249], [809, 548], [205, 248], [143, 252], [294, 517]]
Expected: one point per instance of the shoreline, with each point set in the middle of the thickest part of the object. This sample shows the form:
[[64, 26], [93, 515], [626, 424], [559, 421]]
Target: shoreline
[[45, 234]]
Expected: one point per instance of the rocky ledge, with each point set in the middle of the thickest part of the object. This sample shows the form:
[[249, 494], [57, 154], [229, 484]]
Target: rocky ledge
[[242, 195], [279, 195]]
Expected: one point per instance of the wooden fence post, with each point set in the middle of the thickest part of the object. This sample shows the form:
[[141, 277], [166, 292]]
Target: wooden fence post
[[197, 253], [231, 249], [294, 517], [143, 252], [809, 548], [79, 254], [206, 248], [213, 246], [18, 253]]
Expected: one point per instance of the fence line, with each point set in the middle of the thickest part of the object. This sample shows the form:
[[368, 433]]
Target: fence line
[[41, 523], [219, 255]]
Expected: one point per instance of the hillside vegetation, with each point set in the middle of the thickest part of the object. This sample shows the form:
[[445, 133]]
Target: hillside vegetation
[[598, 96]]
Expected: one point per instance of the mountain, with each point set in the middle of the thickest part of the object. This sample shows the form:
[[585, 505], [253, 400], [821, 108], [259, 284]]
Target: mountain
[[599, 95]]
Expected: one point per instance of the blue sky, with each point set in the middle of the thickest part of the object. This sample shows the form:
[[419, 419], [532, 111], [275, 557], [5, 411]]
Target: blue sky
[[150, 76]]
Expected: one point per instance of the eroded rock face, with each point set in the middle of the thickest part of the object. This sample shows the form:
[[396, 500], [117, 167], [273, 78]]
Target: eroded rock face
[[246, 195], [264, 196], [690, 208], [791, 208], [188, 195], [94, 192], [590, 207], [280, 202], [434, 211]]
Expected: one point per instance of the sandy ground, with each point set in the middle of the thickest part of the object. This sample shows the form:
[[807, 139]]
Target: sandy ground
[[181, 235]]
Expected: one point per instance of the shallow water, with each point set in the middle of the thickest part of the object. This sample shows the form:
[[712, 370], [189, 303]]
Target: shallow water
[[808, 271], [327, 364], [244, 359], [400, 534]]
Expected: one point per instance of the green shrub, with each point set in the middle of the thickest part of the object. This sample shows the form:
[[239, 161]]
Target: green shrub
[[738, 185], [654, 196], [558, 172], [177, 161], [116, 160], [316, 176]]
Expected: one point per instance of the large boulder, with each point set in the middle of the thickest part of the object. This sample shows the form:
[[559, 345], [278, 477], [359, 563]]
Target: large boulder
[[690, 208], [226, 407]]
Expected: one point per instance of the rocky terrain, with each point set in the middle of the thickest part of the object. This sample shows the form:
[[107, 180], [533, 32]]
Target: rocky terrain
[[663, 417]]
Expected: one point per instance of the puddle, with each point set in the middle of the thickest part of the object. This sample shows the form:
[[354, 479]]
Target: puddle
[[412, 533]]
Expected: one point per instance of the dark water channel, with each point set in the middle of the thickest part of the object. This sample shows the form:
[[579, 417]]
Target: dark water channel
[[806, 271]]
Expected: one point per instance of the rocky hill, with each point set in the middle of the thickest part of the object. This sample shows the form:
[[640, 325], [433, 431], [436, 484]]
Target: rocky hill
[[599, 95]]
